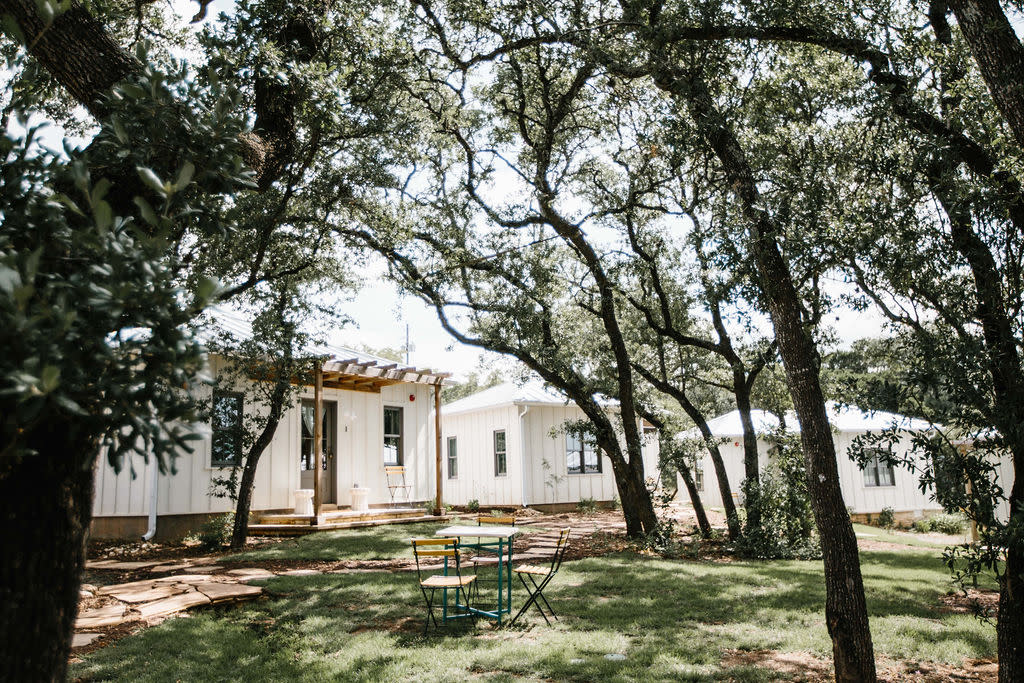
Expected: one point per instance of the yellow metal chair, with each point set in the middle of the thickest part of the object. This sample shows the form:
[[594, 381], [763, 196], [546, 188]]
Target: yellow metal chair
[[540, 576], [448, 549], [399, 490]]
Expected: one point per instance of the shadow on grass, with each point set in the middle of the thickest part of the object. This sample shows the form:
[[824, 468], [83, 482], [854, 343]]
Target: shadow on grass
[[671, 620]]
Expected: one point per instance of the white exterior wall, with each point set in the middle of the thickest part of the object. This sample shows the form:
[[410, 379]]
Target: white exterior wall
[[549, 480], [905, 495], [474, 434], [547, 477], [360, 417], [732, 457]]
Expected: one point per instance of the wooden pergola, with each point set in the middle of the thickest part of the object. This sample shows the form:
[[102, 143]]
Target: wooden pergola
[[354, 374]]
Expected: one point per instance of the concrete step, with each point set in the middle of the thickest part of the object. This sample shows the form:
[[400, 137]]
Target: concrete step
[[338, 516], [299, 530]]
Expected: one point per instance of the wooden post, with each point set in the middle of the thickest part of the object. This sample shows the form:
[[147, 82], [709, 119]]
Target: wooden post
[[438, 504], [318, 436]]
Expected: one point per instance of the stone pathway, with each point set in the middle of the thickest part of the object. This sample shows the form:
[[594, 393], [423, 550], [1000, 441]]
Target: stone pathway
[[147, 601]]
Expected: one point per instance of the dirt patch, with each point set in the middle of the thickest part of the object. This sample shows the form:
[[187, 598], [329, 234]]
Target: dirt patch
[[804, 666], [976, 601]]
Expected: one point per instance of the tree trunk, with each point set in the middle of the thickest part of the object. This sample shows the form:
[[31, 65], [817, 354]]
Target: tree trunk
[[1004, 366], [240, 532], [698, 506], [999, 54], [751, 466], [1010, 627], [45, 511], [845, 607]]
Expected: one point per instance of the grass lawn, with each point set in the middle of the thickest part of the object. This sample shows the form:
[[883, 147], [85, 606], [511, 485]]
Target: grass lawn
[[671, 619], [371, 543], [874, 533]]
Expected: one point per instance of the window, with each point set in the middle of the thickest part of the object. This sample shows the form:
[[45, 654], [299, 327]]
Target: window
[[500, 461], [877, 472], [392, 435], [581, 454], [226, 445], [326, 437], [698, 477], [453, 458]]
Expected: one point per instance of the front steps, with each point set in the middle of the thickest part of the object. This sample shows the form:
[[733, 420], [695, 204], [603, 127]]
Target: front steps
[[329, 520]]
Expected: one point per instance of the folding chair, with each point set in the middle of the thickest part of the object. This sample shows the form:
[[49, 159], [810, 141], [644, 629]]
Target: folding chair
[[480, 560], [545, 575], [439, 547], [395, 475]]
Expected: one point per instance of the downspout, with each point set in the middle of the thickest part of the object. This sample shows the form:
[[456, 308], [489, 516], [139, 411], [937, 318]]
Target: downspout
[[153, 491], [522, 451]]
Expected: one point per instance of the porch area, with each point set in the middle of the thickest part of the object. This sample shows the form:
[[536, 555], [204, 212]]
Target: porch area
[[332, 518]]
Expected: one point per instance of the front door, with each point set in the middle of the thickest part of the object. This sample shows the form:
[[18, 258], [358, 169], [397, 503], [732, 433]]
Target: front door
[[328, 483]]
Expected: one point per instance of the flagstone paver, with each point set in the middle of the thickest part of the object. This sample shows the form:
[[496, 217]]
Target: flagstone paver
[[85, 638], [173, 604], [223, 592], [145, 594], [98, 617]]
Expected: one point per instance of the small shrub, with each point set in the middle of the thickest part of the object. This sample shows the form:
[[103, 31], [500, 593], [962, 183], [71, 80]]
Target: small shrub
[[948, 524], [615, 504], [944, 524], [887, 518], [587, 506], [215, 532], [663, 539], [473, 505]]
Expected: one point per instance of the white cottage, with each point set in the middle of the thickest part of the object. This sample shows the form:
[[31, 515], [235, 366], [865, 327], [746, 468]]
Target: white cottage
[[507, 446], [866, 492], [376, 413]]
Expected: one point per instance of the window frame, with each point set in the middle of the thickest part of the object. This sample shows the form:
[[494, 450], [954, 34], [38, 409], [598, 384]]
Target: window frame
[[400, 436], [587, 445], [453, 457], [503, 470], [217, 429], [873, 470]]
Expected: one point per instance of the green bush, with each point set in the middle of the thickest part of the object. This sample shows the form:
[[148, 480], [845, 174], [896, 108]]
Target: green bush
[[787, 522], [887, 518], [215, 532], [951, 524], [473, 505], [586, 506]]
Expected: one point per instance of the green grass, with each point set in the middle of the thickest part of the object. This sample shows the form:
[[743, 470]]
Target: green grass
[[367, 543], [672, 620], [900, 538]]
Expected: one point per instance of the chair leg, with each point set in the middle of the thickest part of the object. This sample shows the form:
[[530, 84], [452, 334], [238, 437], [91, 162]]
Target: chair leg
[[529, 601], [540, 594], [430, 609], [537, 593]]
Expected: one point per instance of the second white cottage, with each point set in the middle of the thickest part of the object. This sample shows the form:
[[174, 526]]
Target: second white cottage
[[508, 446]]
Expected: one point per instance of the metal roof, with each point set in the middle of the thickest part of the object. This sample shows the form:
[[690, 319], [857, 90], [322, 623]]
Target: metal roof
[[343, 368], [533, 392], [842, 418]]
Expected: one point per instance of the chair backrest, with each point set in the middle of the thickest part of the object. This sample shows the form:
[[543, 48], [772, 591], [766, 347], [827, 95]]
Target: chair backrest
[[509, 520], [560, 548], [395, 471], [436, 547]]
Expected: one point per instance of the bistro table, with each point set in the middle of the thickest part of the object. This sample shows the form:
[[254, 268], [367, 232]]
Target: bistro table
[[500, 543]]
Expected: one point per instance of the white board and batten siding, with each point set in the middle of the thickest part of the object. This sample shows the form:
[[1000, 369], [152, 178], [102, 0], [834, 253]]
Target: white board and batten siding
[[475, 476], [359, 459], [848, 423], [904, 495], [548, 478], [533, 418]]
